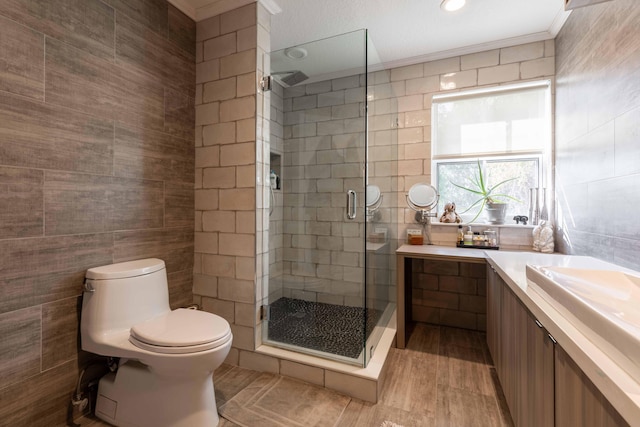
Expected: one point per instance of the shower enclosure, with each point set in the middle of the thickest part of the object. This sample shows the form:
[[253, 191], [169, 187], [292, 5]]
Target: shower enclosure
[[332, 223]]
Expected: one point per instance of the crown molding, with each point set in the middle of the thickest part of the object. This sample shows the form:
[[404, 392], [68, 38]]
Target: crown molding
[[219, 7], [271, 6], [559, 21], [185, 7]]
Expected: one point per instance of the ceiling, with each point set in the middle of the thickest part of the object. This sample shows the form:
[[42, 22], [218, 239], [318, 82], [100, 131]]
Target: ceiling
[[403, 31]]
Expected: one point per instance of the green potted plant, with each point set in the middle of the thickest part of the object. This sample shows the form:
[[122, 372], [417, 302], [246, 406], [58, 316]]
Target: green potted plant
[[488, 198]]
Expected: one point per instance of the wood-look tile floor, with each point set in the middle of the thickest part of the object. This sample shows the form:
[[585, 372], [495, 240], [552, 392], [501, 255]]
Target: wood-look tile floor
[[443, 378]]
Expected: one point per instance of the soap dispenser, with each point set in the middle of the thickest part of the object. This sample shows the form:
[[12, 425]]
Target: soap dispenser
[[468, 237]]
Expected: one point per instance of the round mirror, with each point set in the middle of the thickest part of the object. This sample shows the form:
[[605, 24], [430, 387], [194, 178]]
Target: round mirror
[[423, 196], [373, 195]]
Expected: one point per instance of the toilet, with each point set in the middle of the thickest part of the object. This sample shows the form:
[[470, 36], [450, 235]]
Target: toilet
[[167, 358]]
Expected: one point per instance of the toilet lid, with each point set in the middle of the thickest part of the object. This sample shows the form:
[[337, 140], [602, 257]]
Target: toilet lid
[[182, 328]]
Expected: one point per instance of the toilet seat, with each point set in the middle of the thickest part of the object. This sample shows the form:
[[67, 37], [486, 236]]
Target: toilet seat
[[181, 331]]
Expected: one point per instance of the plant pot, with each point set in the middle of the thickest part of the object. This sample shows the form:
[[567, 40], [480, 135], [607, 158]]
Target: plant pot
[[496, 212]]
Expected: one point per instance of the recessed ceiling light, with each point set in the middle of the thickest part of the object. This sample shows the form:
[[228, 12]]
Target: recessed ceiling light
[[452, 5], [295, 53]]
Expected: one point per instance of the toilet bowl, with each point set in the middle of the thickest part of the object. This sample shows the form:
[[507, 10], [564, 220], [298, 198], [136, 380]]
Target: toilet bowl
[[167, 358]]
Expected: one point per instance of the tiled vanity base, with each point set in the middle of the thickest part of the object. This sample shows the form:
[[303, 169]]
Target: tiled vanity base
[[447, 261], [448, 293]]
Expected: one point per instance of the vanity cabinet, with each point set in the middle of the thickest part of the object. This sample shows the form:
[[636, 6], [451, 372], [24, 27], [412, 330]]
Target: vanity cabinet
[[578, 402], [522, 352], [542, 385]]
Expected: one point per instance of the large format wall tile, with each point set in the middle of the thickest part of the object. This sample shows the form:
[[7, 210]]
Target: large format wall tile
[[76, 203], [40, 401], [179, 204], [180, 285], [182, 30], [40, 270], [85, 83], [20, 202], [60, 327], [179, 114], [37, 135], [85, 24], [140, 153], [174, 246], [19, 345], [21, 60], [148, 52], [597, 104], [150, 13], [94, 144]]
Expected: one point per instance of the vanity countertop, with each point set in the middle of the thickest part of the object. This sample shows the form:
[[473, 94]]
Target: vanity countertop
[[444, 252]]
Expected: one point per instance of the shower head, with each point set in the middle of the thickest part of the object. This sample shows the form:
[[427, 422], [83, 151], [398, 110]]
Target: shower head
[[292, 78]]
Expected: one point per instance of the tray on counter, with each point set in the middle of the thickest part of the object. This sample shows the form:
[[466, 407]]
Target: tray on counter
[[495, 248]]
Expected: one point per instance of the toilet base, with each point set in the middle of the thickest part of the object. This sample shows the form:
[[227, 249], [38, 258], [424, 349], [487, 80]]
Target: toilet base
[[135, 396]]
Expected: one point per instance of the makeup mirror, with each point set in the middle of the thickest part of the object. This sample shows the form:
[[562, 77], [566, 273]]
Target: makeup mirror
[[373, 200], [422, 198]]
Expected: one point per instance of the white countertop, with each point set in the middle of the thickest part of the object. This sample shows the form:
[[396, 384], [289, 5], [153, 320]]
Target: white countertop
[[613, 382], [436, 251]]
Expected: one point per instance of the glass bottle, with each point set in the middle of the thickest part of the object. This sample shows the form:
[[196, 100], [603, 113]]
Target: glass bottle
[[533, 206], [544, 211]]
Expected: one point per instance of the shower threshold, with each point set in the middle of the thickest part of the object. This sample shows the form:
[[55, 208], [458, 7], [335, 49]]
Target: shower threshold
[[343, 376]]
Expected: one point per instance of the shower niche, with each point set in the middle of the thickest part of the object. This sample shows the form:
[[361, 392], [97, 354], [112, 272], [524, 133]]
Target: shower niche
[[330, 291]]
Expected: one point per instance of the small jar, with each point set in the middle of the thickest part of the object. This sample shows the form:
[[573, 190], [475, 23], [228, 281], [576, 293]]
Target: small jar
[[492, 237]]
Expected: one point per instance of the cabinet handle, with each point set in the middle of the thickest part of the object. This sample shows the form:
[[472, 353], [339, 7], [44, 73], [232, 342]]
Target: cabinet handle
[[538, 323], [553, 340]]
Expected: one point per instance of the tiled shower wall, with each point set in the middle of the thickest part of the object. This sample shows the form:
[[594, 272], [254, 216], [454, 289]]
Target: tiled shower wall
[[598, 133], [324, 154], [323, 254], [96, 167]]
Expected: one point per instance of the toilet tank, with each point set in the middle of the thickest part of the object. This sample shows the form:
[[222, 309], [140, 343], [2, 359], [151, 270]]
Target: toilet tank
[[118, 296]]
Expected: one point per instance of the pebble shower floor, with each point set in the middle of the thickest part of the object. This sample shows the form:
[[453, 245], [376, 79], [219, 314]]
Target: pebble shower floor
[[329, 328]]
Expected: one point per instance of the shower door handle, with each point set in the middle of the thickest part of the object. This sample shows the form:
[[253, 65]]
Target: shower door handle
[[351, 204]]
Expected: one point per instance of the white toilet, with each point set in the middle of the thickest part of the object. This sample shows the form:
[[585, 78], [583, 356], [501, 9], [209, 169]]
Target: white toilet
[[167, 357]]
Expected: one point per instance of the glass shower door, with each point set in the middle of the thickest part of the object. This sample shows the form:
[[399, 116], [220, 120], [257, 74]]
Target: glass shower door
[[317, 228]]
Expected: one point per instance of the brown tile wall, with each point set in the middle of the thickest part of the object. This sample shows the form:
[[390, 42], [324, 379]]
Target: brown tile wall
[[598, 133], [450, 293], [96, 166]]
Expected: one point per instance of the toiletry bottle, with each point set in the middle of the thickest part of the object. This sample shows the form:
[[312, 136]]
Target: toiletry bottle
[[460, 235], [468, 237], [273, 178]]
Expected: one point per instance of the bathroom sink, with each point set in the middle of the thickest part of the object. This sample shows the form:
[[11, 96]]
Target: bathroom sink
[[603, 304]]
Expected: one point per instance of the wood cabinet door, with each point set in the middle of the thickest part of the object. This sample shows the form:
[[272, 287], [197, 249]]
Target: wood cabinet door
[[526, 358], [539, 373], [577, 401], [510, 348], [494, 311]]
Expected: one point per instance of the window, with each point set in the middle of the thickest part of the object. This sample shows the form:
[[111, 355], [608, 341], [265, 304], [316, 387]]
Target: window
[[507, 128]]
